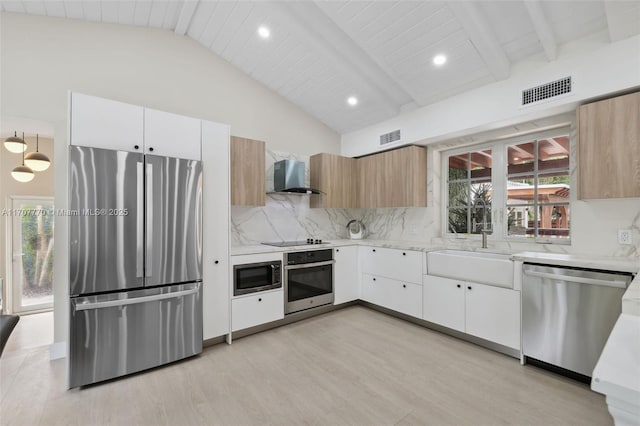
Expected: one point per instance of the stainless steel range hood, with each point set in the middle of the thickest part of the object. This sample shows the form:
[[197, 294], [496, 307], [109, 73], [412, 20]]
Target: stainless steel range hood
[[288, 176]]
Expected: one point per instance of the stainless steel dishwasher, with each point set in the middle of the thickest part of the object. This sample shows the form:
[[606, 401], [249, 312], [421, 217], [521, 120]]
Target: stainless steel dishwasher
[[568, 314]]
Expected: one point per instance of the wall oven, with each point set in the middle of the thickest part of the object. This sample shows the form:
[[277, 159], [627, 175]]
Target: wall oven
[[308, 279], [254, 277]]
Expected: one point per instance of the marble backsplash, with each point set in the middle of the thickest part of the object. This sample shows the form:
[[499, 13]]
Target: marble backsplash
[[289, 217]]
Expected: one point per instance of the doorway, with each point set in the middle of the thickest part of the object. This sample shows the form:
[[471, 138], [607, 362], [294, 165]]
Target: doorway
[[31, 254]]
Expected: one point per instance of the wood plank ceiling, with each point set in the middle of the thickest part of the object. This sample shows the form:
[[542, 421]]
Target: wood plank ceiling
[[321, 52]]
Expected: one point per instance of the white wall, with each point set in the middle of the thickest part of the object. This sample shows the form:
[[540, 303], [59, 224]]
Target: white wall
[[596, 66], [43, 58]]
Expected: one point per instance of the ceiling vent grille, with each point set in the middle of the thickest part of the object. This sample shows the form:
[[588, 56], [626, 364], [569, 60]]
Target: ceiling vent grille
[[390, 137], [546, 91]]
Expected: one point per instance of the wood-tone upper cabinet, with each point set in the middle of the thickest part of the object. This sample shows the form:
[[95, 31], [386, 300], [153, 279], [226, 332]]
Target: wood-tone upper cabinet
[[335, 176], [395, 178], [247, 172], [372, 185], [609, 148]]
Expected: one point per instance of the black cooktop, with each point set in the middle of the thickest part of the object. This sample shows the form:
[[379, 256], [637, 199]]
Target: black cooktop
[[307, 242]]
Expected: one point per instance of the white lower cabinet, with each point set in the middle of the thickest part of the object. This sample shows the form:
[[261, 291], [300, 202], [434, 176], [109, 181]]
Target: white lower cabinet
[[443, 302], [346, 275], [491, 313], [403, 297], [256, 309]]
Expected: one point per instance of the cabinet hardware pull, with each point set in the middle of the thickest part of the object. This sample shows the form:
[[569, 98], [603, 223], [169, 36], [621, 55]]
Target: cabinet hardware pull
[[469, 287], [404, 254], [136, 147], [260, 299], [151, 149], [374, 250], [374, 279], [337, 250], [216, 262], [404, 286], [458, 285]]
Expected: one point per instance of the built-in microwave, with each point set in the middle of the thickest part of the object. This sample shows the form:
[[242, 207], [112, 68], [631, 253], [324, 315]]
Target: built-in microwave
[[254, 277]]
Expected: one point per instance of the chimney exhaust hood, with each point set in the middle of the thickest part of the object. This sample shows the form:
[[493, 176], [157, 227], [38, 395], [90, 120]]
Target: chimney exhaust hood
[[288, 176]]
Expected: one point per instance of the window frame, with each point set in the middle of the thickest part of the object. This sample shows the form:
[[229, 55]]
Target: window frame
[[499, 181]]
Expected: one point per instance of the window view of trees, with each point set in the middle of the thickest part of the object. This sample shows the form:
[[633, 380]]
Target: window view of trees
[[469, 210], [532, 187], [37, 255]]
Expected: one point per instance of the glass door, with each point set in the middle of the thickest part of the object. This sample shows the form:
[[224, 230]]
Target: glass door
[[32, 254]]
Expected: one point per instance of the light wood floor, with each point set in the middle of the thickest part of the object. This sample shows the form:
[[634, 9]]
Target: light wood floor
[[353, 366], [31, 331]]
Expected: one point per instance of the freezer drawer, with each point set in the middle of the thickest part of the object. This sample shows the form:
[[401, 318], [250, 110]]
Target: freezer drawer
[[120, 333], [568, 314]]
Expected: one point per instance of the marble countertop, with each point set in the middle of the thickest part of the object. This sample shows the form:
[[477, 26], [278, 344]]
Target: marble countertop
[[617, 373], [619, 264]]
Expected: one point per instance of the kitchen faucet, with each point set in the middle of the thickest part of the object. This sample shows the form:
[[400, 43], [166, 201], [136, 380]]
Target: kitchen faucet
[[485, 230]]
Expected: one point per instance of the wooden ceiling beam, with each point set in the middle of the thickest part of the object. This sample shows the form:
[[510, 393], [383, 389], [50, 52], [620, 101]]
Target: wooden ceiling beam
[[543, 29]]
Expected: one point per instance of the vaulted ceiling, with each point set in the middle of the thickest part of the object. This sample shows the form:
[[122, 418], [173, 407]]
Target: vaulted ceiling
[[319, 53]]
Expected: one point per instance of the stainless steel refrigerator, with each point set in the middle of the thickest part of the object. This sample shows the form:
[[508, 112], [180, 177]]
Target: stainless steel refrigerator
[[135, 262]]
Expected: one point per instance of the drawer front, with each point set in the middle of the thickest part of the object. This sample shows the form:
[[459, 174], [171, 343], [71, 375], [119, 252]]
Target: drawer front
[[396, 295], [401, 265], [256, 309]]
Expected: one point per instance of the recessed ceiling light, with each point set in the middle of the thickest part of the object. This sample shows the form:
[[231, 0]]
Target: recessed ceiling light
[[352, 100], [264, 32], [439, 59]]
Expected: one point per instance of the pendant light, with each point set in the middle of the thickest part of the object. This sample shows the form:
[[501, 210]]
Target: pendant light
[[22, 173], [15, 144], [37, 161]]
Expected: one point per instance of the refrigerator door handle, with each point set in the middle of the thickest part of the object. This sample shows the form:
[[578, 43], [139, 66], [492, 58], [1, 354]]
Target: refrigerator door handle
[[140, 221], [135, 300], [149, 214]]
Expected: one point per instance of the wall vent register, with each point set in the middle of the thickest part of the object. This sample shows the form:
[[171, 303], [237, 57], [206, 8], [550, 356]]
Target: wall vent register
[[390, 137], [546, 91]]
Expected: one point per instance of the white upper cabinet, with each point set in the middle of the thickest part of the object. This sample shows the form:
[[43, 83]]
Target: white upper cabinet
[[103, 123], [171, 135]]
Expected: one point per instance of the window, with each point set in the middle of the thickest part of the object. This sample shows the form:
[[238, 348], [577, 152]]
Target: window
[[538, 188], [469, 210], [518, 188]]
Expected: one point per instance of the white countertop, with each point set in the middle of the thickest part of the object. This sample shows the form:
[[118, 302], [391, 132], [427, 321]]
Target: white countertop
[[403, 245], [620, 264], [617, 373]]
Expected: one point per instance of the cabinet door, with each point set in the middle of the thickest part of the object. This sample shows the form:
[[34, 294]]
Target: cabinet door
[[215, 252], [171, 135], [493, 313], [609, 148], [261, 308], [346, 282], [103, 123], [336, 177], [247, 172], [403, 297], [371, 185], [443, 302], [401, 265], [370, 290]]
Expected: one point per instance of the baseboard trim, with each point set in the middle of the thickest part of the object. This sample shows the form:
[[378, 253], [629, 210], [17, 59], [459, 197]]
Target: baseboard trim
[[506, 350], [57, 350]]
